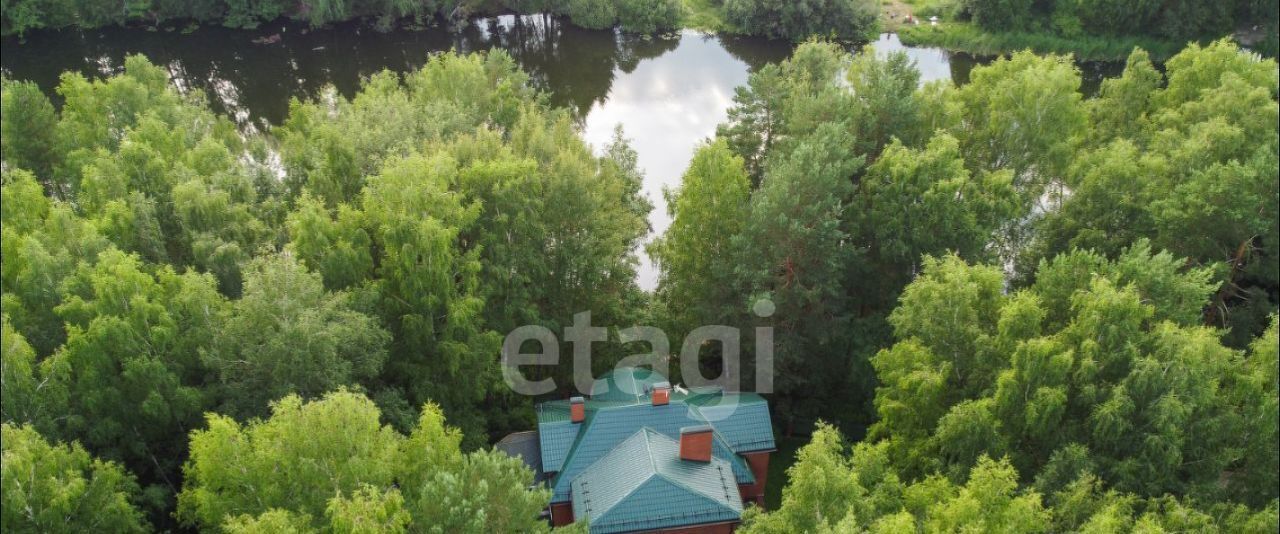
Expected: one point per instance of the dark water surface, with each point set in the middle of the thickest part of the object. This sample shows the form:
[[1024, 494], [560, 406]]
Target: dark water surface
[[667, 93]]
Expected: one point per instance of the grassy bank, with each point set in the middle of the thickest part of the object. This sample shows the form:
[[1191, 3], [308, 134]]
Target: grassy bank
[[704, 15], [964, 37]]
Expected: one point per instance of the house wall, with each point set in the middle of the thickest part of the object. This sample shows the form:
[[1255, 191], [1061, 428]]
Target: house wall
[[759, 463], [561, 514]]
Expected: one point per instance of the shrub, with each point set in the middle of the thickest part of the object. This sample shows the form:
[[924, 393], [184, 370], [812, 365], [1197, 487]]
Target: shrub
[[649, 16], [593, 14], [799, 19]]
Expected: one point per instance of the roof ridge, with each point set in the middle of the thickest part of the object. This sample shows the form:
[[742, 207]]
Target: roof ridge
[[715, 432], [635, 388], [644, 435], [648, 446], [718, 463]]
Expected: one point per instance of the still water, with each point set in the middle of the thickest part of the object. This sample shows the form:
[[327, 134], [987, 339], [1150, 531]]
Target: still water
[[667, 93]]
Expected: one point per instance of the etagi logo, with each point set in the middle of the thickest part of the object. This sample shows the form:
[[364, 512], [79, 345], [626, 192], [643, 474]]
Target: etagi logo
[[582, 334]]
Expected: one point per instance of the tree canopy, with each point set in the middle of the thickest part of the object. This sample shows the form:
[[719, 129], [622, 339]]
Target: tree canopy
[[159, 264], [1058, 311], [1045, 311], [331, 464], [52, 487]]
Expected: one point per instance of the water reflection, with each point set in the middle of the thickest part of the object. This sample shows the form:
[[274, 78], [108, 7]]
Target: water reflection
[[933, 63], [667, 93], [667, 105], [254, 82], [940, 64]]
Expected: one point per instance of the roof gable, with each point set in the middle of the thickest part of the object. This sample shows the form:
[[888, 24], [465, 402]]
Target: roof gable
[[642, 484]]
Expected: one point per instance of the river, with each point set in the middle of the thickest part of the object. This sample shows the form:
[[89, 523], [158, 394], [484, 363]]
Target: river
[[667, 93]]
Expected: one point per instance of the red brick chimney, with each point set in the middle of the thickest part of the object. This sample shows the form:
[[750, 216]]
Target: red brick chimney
[[695, 443], [577, 409], [661, 394]]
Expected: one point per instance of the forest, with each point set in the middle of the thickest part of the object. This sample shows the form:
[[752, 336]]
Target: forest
[[1178, 19], [852, 19], [1000, 306], [1090, 29]]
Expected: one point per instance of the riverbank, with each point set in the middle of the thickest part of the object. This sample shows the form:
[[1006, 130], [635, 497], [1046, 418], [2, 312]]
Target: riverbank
[[704, 16], [965, 37]]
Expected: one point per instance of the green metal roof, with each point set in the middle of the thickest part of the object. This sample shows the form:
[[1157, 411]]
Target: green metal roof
[[740, 423], [555, 433], [606, 426], [625, 384], [742, 419], [642, 484]]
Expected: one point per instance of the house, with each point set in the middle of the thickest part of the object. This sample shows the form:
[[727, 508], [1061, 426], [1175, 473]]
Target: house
[[638, 455]]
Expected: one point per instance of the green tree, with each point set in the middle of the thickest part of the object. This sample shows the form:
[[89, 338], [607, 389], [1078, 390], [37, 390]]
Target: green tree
[[337, 247], [131, 362], [334, 445], [1001, 14], [27, 130], [793, 250], [831, 491], [845, 19], [428, 286], [1025, 114], [368, 511], [1189, 166], [343, 468], [649, 16], [485, 493], [593, 14], [785, 102], [695, 254], [557, 230], [912, 203], [288, 335], [1255, 389], [61, 488], [1099, 365], [28, 397], [162, 176], [269, 522], [885, 103], [43, 241]]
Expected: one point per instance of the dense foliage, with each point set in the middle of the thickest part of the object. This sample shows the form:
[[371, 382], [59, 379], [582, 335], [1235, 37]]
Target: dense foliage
[[348, 470], [159, 265], [60, 488], [1049, 312], [799, 19], [1068, 304], [857, 174], [834, 490], [1176, 20]]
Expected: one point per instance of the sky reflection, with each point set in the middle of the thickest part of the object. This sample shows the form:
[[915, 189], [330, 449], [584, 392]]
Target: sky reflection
[[667, 106]]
